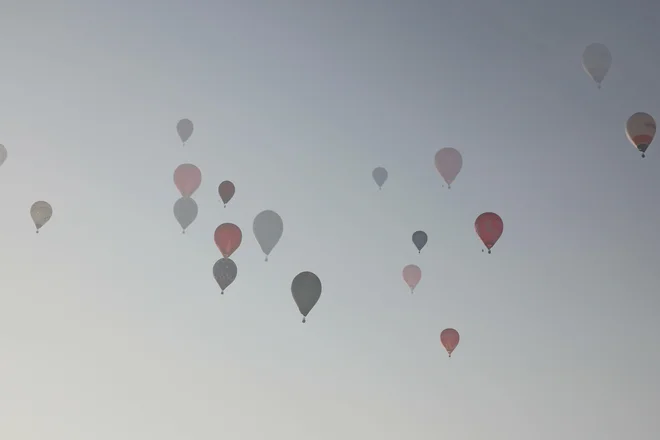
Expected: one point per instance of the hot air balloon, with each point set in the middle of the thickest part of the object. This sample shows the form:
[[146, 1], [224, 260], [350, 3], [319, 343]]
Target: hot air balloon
[[489, 227], [187, 178], [228, 238], [640, 130], [268, 228], [412, 275], [185, 212], [306, 289], [448, 162], [596, 61], [224, 272], [226, 191], [449, 339], [41, 212], [3, 154], [419, 239], [380, 176], [185, 129]]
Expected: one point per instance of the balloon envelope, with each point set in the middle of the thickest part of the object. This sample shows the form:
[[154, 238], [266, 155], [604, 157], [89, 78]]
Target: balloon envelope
[[226, 191], [185, 211], [228, 238], [3, 154], [224, 272], [187, 178], [420, 239], [380, 176], [449, 339], [412, 275], [596, 61], [306, 290], [448, 162], [41, 212], [489, 227], [268, 228], [185, 129], [640, 130]]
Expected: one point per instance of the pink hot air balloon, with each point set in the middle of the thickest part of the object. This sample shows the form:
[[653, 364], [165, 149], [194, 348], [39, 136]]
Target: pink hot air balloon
[[449, 162], [226, 191], [449, 339], [412, 275], [228, 238], [187, 178], [489, 227]]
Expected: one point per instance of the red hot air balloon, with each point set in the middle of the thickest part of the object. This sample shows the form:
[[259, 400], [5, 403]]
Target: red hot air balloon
[[187, 178], [228, 238], [449, 339], [226, 191], [489, 227]]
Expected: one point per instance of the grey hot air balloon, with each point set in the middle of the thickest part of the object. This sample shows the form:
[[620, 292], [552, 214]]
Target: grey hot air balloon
[[268, 229], [380, 176], [224, 272], [41, 212], [419, 239], [306, 290], [185, 129], [596, 61], [3, 154], [185, 212]]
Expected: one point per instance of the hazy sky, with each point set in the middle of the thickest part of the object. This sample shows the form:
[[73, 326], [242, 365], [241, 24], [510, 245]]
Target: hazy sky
[[112, 326]]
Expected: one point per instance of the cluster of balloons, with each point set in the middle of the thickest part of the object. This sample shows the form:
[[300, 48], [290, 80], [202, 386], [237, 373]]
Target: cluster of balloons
[[268, 228], [640, 127]]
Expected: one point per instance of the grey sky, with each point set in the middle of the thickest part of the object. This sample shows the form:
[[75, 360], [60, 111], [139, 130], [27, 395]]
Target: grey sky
[[112, 326]]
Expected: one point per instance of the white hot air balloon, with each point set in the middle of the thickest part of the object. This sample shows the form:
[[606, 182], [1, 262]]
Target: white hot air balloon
[[640, 130], [596, 61]]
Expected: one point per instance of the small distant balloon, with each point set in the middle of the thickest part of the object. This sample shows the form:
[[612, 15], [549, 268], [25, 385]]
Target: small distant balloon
[[185, 129], [449, 339], [228, 238], [448, 162], [185, 212], [596, 61], [226, 191], [419, 239], [489, 227], [187, 178], [640, 130], [306, 289], [41, 212], [412, 275], [3, 154], [224, 272], [380, 176], [268, 229]]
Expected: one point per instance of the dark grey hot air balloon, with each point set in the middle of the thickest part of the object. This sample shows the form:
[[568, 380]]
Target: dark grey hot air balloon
[[224, 272], [185, 129], [41, 212], [380, 176], [419, 239], [268, 228], [185, 212], [306, 290]]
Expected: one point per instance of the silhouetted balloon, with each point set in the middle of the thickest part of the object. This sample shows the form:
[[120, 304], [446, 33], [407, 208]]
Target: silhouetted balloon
[[306, 289], [412, 275], [187, 178], [489, 227], [420, 239], [268, 228], [185, 212], [448, 162], [41, 212], [185, 129], [380, 176], [449, 339], [640, 130], [224, 272], [596, 61], [226, 191], [3, 154], [228, 238]]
